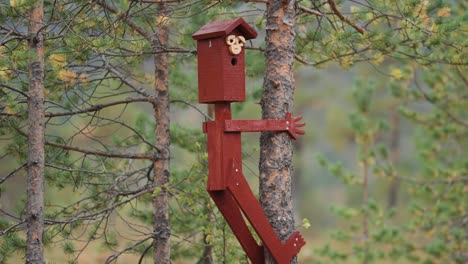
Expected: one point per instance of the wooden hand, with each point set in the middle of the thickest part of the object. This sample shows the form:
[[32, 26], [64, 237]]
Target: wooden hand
[[289, 124], [292, 125]]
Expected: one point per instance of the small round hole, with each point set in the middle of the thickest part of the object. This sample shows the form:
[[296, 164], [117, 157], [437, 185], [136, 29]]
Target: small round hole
[[234, 61]]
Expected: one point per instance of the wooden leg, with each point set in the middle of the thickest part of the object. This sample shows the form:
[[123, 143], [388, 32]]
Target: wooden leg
[[240, 190], [230, 210]]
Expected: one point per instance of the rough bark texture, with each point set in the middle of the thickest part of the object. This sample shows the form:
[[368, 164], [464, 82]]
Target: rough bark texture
[[36, 124], [161, 240], [276, 148]]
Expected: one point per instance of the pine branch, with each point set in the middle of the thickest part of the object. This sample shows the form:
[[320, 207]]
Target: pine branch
[[100, 107], [14, 89], [13, 173], [96, 152], [300, 7], [345, 19], [157, 1], [101, 153], [124, 79], [310, 11], [125, 18]]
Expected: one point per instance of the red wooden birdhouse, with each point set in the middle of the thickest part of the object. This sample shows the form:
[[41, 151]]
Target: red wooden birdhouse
[[221, 80], [221, 67]]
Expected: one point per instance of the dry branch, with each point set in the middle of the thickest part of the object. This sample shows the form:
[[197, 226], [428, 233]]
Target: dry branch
[[345, 19], [99, 107]]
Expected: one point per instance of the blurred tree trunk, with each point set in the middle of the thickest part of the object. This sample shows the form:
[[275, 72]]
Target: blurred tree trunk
[[36, 124], [276, 148], [161, 223], [207, 255], [394, 156]]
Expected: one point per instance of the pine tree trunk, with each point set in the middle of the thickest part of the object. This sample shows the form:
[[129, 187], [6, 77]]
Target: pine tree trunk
[[276, 148], [161, 242], [394, 156], [36, 126]]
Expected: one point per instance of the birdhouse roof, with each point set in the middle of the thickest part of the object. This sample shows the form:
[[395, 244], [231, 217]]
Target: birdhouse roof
[[223, 27]]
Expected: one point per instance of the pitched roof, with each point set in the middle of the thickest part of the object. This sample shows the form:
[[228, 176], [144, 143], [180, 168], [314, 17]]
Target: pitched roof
[[223, 27]]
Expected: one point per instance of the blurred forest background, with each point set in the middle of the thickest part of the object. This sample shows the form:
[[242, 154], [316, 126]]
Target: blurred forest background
[[381, 175]]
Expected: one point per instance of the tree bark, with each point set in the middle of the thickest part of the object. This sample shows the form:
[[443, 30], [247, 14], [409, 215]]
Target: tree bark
[[161, 242], [276, 148], [394, 156], [36, 127]]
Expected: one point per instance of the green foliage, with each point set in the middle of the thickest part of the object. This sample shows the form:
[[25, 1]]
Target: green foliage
[[11, 242], [416, 52], [436, 193]]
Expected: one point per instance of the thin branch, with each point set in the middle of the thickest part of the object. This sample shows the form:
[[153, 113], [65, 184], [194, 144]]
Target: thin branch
[[345, 19], [432, 101], [12, 114], [92, 216], [100, 106], [14, 89], [144, 253], [12, 173], [97, 152], [308, 63], [463, 180], [128, 20], [301, 7], [157, 1], [102, 153], [207, 117], [6, 230], [255, 1], [124, 79], [310, 11], [116, 255]]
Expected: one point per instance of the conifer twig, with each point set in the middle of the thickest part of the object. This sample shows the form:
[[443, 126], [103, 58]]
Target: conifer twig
[[345, 19]]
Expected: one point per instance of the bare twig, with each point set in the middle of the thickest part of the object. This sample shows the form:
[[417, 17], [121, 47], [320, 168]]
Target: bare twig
[[129, 21], [124, 79], [345, 19], [113, 257], [12, 173], [97, 152], [102, 153], [14, 89], [6, 230], [99, 107], [193, 106], [158, 1], [310, 11]]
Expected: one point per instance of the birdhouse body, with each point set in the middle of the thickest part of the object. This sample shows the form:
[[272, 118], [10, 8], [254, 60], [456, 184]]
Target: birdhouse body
[[221, 80], [221, 72], [221, 75]]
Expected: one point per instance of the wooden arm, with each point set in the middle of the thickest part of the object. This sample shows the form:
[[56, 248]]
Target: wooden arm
[[288, 124], [255, 125]]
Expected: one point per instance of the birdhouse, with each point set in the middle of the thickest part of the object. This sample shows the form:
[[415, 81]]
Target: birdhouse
[[221, 67]]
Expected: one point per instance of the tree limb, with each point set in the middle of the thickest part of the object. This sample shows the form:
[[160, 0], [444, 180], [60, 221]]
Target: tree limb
[[96, 152], [99, 107], [14, 89], [129, 21], [12, 173], [101, 153], [310, 11], [345, 19]]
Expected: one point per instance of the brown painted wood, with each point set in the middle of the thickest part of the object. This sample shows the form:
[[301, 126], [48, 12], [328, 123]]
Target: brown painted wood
[[221, 75], [222, 28], [221, 80], [240, 190], [231, 212]]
